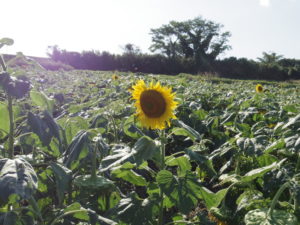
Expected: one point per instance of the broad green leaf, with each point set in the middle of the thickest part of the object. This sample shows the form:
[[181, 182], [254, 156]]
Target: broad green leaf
[[89, 183], [213, 199], [278, 144], [247, 197], [40, 127], [203, 161], [6, 41], [182, 162], [261, 217], [165, 179], [185, 130], [71, 126], [136, 211], [259, 172], [77, 150], [129, 175], [120, 154], [63, 177], [144, 149], [290, 108], [294, 121], [130, 129], [266, 159], [17, 177], [185, 191], [83, 215], [41, 100]]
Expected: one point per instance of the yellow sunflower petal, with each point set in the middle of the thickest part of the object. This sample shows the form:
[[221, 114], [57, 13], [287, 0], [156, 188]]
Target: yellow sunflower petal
[[259, 88], [154, 104]]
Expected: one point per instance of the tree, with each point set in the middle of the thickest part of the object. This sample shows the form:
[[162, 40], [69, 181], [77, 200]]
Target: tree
[[131, 49], [270, 59], [199, 39]]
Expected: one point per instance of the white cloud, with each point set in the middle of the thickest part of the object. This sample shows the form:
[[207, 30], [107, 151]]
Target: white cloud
[[264, 3]]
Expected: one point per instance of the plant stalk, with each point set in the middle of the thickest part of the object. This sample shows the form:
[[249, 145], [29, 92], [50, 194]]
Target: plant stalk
[[162, 167], [11, 127], [298, 163], [94, 162], [276, 197], [36, 209], [2, 63], [237, 167]]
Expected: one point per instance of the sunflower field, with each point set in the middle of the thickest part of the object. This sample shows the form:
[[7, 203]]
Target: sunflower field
[[93, 147]]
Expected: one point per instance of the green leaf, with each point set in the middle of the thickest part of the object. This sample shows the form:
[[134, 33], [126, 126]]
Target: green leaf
[[261, 217], [182, 162], [78, 149], [290, 108], [41, 100], [6, 41], [71, 126], [120, 154], [203, 161], [259, 172], [278, 144], [63, 177], [18, 88], [131, 130], [294, 121], [17, 177], [129, 175], [266, 159], [144, 149], [185, 191], [185, 130], [165, 178], [213, 199], [247, 198], [83, 215], [89, 183], [135, 211], [45, 127]]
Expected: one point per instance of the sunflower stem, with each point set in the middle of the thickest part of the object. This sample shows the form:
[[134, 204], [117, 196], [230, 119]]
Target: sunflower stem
[[276, 197], [162, 167], [11, 127], [94, 163]]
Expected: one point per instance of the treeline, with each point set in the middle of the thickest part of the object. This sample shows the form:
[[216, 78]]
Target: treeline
[[269, 67], [191, 46], [128, 61], [242, 68]]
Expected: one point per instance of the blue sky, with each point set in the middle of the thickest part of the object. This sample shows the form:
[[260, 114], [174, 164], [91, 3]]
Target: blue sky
[[76, 25]]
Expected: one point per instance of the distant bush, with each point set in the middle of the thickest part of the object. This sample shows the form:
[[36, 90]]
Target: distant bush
[[20, 60], [53, 65], [232, 67]]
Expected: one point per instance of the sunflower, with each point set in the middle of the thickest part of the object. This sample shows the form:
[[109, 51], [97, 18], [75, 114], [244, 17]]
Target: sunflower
[[115, 77], [215, 219], [259, 88], [154, 103]]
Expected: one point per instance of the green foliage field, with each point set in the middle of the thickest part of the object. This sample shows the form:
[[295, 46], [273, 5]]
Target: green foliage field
[[80, 156]]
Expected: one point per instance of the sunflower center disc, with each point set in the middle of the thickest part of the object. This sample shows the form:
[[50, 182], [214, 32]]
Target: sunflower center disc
[[153, 103]]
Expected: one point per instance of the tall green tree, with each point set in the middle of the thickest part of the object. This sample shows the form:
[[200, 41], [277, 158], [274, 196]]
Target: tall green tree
[[270, 59], [198, 39]]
